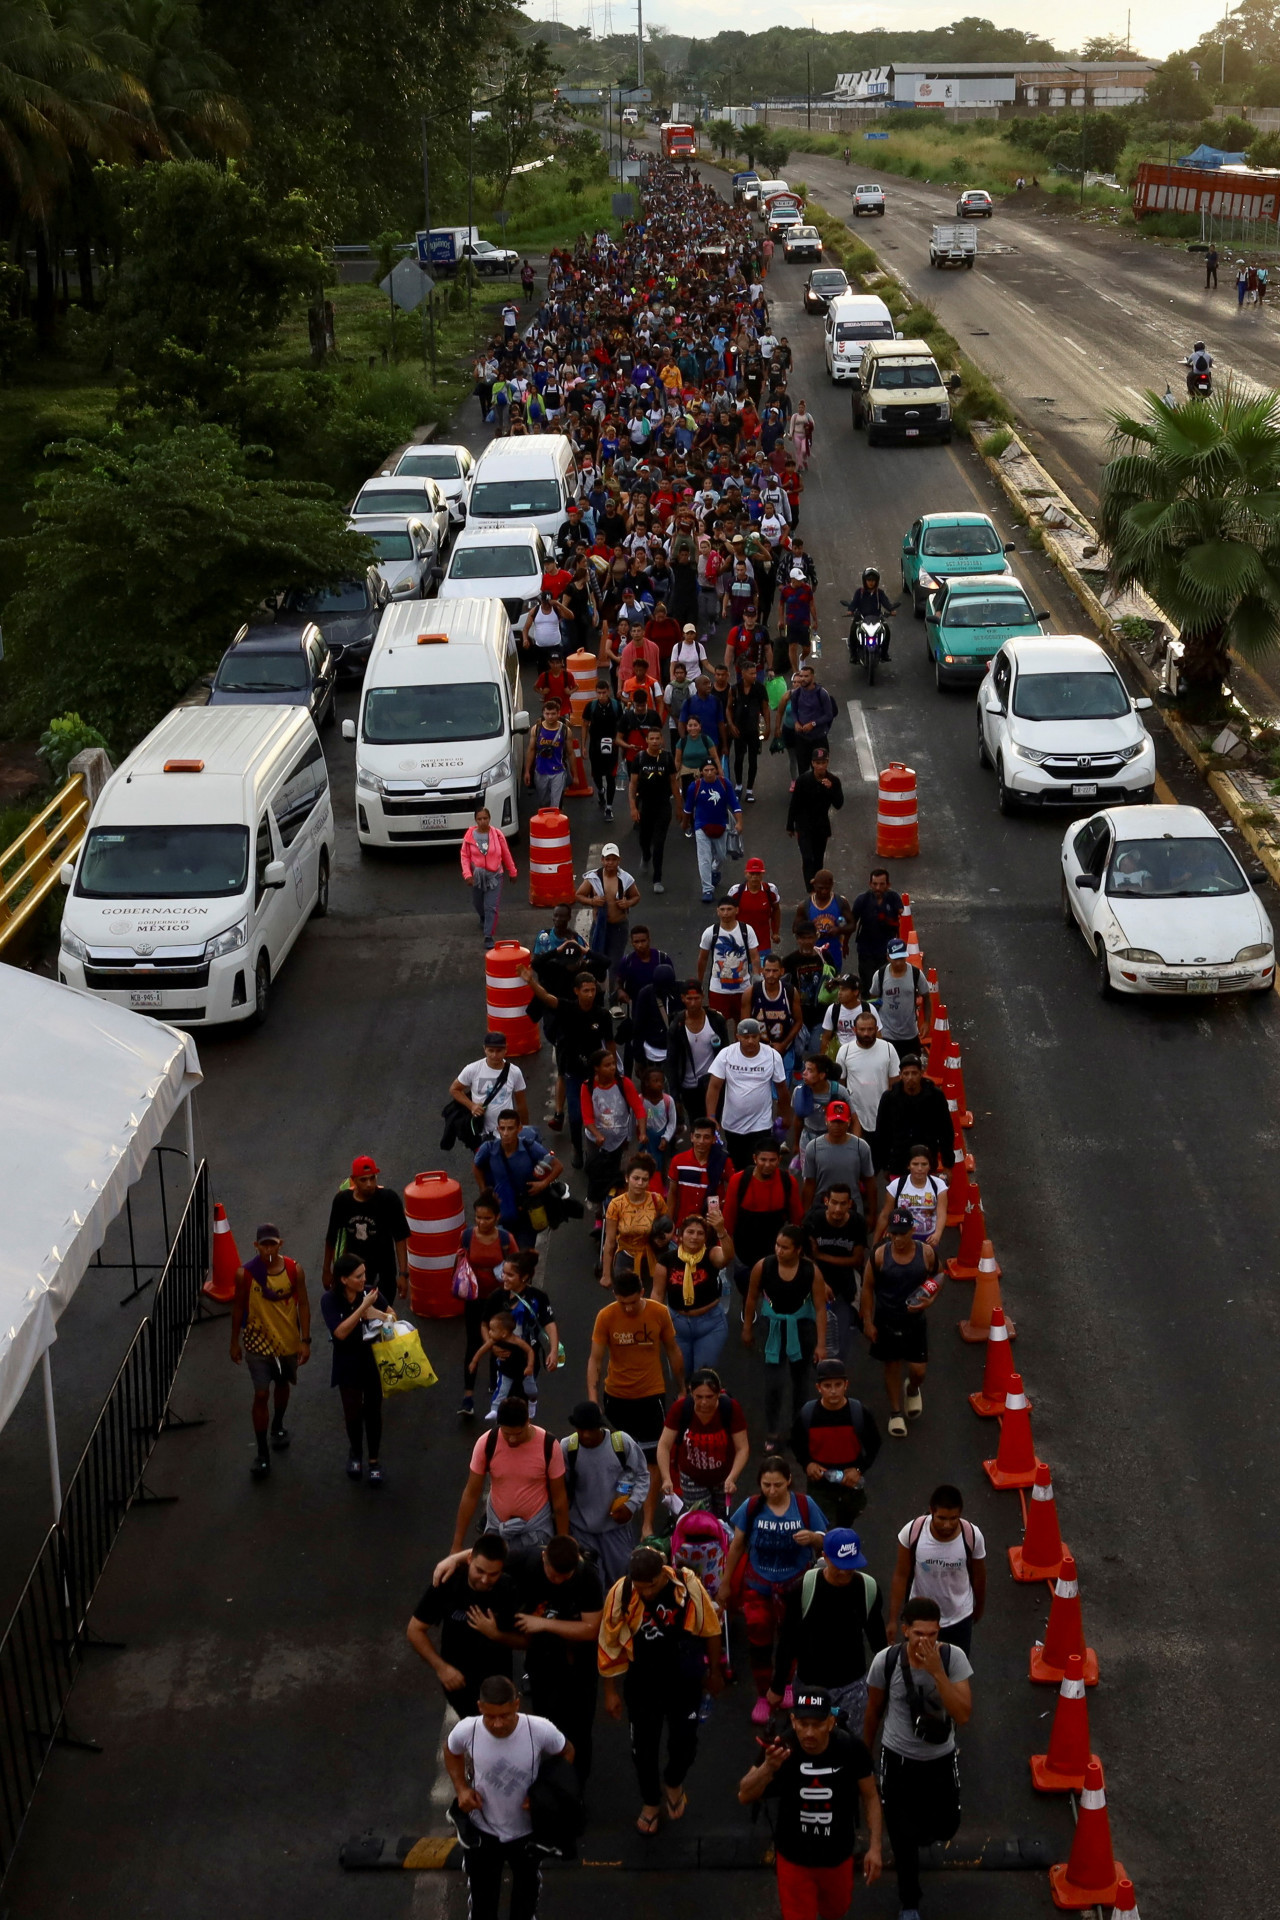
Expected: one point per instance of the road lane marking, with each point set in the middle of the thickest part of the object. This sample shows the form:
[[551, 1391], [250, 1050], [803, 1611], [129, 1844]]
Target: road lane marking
[[862, 746], [1076, 344], [1165, 793], [1022, 303]]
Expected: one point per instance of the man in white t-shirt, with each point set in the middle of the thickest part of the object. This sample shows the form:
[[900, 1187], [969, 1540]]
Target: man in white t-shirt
[[475, 1085], [733, 951], [492, 1759], [942, 1557], [746, 1074], [841, 1014], [870, 1068]]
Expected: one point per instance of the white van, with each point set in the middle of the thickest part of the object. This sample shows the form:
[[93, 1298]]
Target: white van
[[852, 320], [441, 727], [206, 854], [528, 480]]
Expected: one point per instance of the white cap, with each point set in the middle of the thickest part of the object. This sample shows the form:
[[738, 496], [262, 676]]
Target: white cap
[[610, 846]]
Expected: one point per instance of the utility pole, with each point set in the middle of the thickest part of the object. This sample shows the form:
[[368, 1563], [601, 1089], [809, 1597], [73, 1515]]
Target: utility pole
[[471, 209], [426, 223], [639, 43]]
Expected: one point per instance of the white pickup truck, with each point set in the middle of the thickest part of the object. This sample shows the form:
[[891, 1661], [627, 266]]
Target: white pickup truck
[[953, 246], [868, 200]]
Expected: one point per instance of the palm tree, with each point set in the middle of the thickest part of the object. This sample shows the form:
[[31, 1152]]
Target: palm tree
[[1190, 510], [194, 115]]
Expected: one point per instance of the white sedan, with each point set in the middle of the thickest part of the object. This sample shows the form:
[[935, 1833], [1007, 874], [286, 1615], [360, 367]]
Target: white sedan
[[1164, 905]]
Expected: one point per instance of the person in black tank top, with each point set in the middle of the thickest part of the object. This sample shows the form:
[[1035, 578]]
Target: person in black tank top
[[789, 1295], [897, 1332], [777, 1007]]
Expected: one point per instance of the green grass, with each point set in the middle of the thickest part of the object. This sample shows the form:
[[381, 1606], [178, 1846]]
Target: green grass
[[995, 443], [55, 399]]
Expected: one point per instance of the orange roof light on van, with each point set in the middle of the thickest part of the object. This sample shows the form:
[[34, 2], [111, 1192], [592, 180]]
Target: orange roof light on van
[[433, 639], [184, 766]]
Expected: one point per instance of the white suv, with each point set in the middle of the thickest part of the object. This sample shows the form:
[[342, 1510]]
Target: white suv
[[868, 200], [1057, 723]]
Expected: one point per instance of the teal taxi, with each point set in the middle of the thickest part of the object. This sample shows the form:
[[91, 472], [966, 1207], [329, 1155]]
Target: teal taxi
[[943, 546], [967, 621]]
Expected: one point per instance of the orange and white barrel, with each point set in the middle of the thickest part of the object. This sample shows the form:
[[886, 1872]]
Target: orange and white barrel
[[551, 881], [433, 1204], [507, 998], [584, 671], [897, 822]]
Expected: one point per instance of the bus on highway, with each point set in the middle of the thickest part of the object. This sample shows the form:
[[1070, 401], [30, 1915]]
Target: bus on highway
[[679, 140]]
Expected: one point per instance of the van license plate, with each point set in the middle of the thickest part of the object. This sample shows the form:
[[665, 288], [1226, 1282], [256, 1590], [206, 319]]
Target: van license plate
[[913, 433], [1203, 984], [144, 1002], [434, 820], [1084, 790]]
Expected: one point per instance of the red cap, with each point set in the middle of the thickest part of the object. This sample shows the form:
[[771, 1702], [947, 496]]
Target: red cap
[[363, 1164], [838, 1110], [755, 864]]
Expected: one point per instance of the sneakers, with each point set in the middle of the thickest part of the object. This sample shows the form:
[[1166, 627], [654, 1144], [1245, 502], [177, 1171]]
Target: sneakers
[[913, 1400], [467, 1411], [707, 896], [788, 1698], [355, 1468], [658, 887], [375, 1476], [556, 1122], [760, 1712], [748, 794], [260, 1466], [608, 813], [279, 1439], [897, 1427]]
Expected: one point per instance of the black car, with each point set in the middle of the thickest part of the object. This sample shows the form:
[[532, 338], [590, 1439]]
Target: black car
[[347, 615], [273, 667]]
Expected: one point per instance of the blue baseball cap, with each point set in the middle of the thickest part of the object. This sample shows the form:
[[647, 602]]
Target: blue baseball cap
[[843, 1549]]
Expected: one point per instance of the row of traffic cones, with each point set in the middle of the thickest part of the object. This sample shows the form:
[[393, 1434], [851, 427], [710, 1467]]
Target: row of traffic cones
[[1091, 1876]]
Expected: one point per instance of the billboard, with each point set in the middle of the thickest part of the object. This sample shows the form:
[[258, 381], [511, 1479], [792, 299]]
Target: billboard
[[937, 93]]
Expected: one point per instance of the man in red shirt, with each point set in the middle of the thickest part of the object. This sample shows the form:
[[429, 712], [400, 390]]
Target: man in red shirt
[[697, 1173], [759, 905]]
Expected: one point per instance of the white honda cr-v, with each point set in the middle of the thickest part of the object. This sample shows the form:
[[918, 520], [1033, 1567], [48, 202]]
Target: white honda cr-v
[[1058, 724]]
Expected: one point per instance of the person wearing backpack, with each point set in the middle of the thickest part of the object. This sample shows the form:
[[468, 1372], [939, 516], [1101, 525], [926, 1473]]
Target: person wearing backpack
[[774, 1534], [834, 1613], [836, 1440], [606, 1478], [524, 1467], [493, 1759], [943, 1557], [920, 1692], [704, 1446]]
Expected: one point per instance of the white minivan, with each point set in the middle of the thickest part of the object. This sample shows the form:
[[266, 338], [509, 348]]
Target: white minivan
[[528, 480], [853, 320], [207, 852], [441, 729]]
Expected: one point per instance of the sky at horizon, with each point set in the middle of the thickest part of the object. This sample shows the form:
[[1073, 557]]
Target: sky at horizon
[[1156, 29]]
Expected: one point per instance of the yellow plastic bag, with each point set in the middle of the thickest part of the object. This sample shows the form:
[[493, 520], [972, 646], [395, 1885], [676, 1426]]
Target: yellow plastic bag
[[402, 1364]]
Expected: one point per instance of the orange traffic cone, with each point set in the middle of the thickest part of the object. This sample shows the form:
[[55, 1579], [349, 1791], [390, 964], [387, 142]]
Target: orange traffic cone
[[1064, 1634], [997, 1375], [939, 1043], [579, 787], [986, 1298], [1126, 1901], [973, 1230], [1091, 1877], [1041, 1554], [914, 956], [1015, 1462], [221, 1284], [906, 921], [958, 1189], [953, 1086], [1063, 1768]]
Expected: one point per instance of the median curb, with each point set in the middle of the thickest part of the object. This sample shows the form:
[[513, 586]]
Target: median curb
[[723, 1851]]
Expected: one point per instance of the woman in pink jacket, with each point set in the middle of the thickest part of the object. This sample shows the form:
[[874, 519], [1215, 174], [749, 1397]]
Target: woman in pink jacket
[[485, 856]]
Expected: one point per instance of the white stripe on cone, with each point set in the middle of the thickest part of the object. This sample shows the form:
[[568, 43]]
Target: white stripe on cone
[[1037, 1492], [1072, 1690], [1092, 1800], [1015, 1402]]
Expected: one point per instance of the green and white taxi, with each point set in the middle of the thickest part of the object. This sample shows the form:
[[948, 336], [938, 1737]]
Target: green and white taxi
[[941, 546], [967, 621]]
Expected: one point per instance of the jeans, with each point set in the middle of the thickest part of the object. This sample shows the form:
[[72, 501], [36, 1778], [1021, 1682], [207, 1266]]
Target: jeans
[[508, 1384], [483, 1866], [549, 788], [486, 901], [708, 859], [652, 833], [800, 1371], [609, 939], [921, 1804], [700, 1336], [674, 1702]]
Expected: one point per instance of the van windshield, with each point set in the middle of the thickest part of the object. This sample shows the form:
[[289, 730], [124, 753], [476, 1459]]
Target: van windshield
[[498, 499], [492, 563], [164, 863], [427, 716], [864, 329], [897, 375]]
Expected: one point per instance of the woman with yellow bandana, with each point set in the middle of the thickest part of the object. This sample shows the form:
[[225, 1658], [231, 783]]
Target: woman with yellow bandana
[[691, 1286]]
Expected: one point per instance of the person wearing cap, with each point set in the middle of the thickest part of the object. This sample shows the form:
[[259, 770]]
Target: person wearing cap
[[833, 1621], [271, 1331], [902, 997], [816, 791], [914, 1112], [820, 1774], [611, 892], [732, 951], [606, 1479], [689, 653], [759, 904], [837, 1156], [368, 1219], [796, 607], [485, 1086], [869, 1066], [748, 1075], [899, 1338], [838, 1020]]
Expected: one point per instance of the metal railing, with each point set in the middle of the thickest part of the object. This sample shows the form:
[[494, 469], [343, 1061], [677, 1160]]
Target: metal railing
[[29, 868], [43, 1645]]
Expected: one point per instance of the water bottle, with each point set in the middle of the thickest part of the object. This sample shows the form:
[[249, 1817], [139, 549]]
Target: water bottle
[[815, 646], [835, 1475], [924, 1294]]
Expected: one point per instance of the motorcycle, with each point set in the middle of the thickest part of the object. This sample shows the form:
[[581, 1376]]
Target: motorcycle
[[868, 642], [1199, 381]]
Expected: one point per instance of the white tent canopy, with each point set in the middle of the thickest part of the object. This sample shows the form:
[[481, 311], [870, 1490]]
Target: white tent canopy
[[86, 1091]]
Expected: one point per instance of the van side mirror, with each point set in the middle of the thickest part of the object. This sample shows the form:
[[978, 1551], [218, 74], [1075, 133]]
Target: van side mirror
[[1087, 882], [1010, 546], [348, 729], [67, 873], [520, 722], [898, 334], [1143, 704], [275, 875], [954, 383]]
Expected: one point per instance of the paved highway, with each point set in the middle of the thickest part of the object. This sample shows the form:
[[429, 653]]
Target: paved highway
[[265, 1704]]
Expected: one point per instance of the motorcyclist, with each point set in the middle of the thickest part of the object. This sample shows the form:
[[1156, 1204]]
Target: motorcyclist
[[1198, 362], [870, 602]]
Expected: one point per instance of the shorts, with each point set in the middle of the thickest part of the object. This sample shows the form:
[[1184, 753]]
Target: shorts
[[728, 1005], [901, 1340], [268, 1370], [642, 1419]]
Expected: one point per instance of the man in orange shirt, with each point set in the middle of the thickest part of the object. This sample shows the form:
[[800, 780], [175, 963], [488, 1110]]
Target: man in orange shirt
[[632, 1335]]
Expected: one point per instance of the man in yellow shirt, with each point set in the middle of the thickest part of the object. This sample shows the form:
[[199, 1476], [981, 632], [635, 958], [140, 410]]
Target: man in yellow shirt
[[271, 1326]]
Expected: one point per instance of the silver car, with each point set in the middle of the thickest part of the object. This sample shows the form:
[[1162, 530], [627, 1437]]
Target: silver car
[[449, 466], [409, 559], [403, 495]]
